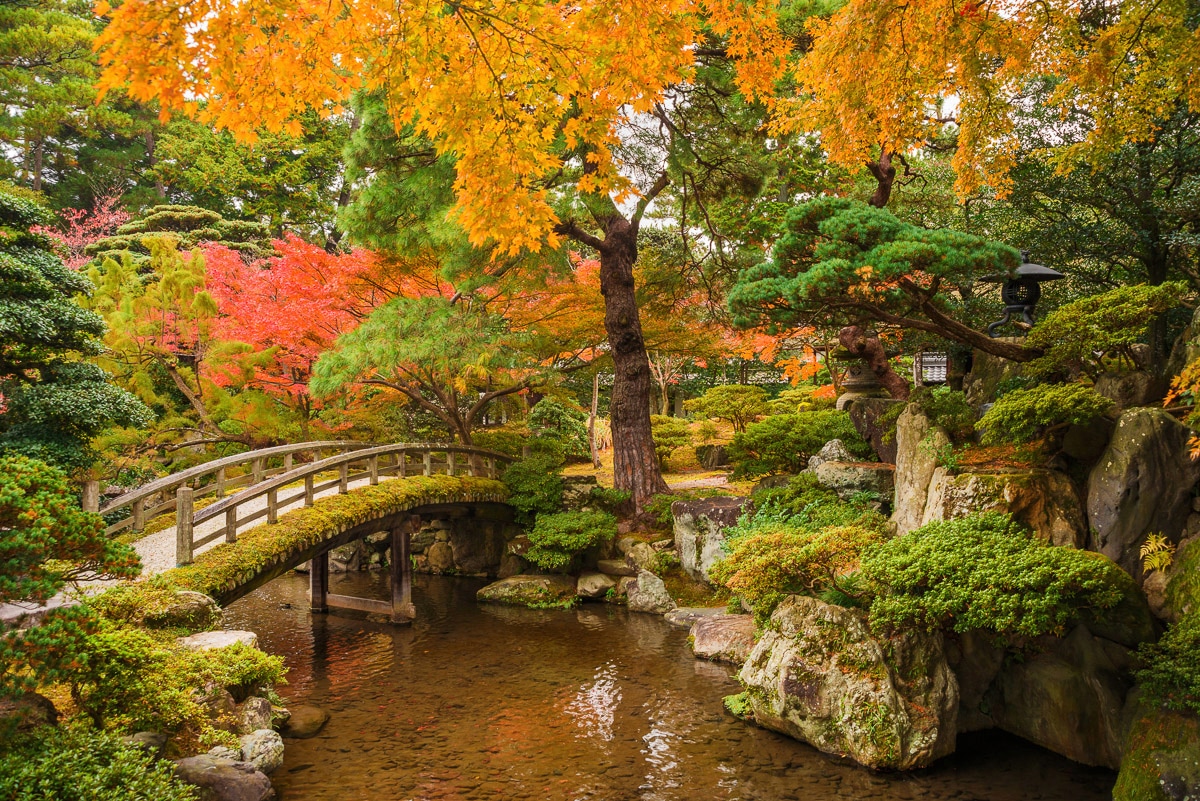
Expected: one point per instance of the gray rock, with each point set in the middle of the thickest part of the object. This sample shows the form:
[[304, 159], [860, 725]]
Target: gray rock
[[699, 528], [27, 712], [684, 616], [711, 457], [224, 752], [820, 675], [615, 567], [1068, 699], [832, 451], [577, 491], [263, 749], [594, 585], [625, 543], [1142, 483], [849, 478], [723, 638], [987, 371], [976, 659], [224, 779], [254, 714], [441, 556], [533, 591], [152, 742], [349, 558], [305, 721], [187, 610], [477, 548], [1044, 500], [648, 593], [917, 439], [663, 545], [1127, 390], [511, 565], [641, 556], [208, 640]]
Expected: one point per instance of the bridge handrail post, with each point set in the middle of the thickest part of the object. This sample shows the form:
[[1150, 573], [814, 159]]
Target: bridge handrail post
[[373, 467], [491, 467], [402, 464], [449, 463], [231, 524], [343, 477], [185, 511], [256, 469], [287, 462], [220, 480], [428, 463], [308, 490], [272, 506], [139, 514]]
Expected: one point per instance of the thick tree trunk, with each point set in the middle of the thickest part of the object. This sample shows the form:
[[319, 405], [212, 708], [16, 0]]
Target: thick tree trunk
[[635, 466], [859, 342]]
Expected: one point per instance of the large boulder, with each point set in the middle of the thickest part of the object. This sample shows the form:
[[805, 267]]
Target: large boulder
[[1069, 698], [594, 585], [1142, 483], [1130, 389], [221, 779], [533, 591], [987, 372], [441, 557], [700, 531], [1161, 754], [263, 748], [577, 491], [723, 638], [185, 610], [477, 548], [253, 714], [875, 420], [648, 593], [917, 440], [1044, 500], [832, 451], [851, 478], [27, 712], [820, 675], [641, 556]]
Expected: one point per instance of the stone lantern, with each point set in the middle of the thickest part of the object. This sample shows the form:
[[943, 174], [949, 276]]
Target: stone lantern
[[1020, 291]]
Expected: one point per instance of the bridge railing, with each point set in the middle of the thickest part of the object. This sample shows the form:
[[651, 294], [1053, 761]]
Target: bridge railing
[[217, 478], [371, 462]]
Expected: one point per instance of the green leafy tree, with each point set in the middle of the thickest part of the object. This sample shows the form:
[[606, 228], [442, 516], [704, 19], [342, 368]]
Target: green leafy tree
[[557, 539], [552, 418], [46, 541], [670, 434], [840, 262], [54, 402], [445, 358], [737, 403]]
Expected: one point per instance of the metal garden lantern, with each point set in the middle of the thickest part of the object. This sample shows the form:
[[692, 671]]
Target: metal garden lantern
[[1020, 292]]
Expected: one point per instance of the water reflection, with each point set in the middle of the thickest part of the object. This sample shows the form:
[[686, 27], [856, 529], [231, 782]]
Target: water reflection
[[486, 702]]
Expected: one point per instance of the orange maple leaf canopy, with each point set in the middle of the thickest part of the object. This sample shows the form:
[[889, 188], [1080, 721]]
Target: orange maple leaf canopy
[[496, 83]]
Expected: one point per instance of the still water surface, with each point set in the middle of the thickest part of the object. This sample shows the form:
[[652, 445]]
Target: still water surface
[[487, 702]]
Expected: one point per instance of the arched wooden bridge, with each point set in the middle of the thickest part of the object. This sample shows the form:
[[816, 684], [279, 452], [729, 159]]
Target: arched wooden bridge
[[428, 480]]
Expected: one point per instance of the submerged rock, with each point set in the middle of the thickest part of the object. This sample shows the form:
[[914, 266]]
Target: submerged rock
[[700, 531], [685, 616], [818, 674], [533, 591], [223, 779], [648, 593], [723, 638], [304, 722]]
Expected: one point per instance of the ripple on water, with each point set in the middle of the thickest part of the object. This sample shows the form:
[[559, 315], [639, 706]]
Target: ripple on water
[[490, 702]]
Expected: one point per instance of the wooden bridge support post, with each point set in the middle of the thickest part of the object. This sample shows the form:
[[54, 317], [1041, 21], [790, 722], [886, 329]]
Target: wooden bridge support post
[[220, 482], [402, 606], [318, 583], [185, 511], [256, 470], [449, 463]]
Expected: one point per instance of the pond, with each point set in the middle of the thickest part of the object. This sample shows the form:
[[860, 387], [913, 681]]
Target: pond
[[486, 702]]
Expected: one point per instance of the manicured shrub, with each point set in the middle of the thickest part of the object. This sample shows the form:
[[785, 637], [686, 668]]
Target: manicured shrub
[[78, 764], [986, 572], [784, 443], [799, 399], [535, 486], [558, 538], [1170, 672], [1020, 415], [670, 434], [508, 441], [553, 419], [737, 403]]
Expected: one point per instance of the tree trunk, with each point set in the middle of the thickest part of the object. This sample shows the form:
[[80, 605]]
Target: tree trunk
[[885, 177], [857, 340], [635, 465], [160, 189], [39, 157], [592, 420]]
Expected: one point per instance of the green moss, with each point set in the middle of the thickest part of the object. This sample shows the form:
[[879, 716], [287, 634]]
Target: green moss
[[1155, 735], [739, 706], [1183, 591], [224, 568]]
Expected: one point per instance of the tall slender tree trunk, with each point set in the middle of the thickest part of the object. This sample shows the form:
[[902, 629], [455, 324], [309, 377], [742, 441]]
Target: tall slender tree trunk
[[39, 158], [635, 465], [592, 421]]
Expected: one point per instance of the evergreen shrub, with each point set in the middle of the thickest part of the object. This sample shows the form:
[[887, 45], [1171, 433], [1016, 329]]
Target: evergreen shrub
[[558, 538], [1019, 415], [784, 443]]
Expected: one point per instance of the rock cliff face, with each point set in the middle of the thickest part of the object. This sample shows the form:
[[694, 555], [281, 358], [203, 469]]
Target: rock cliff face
[[818, 674], [699, 531], [1142, 483], [1044, 500], [917, 440]]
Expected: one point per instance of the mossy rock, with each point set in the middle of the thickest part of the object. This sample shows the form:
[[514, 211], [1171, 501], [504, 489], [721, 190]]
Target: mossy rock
[[1162, 757], [536, 592]]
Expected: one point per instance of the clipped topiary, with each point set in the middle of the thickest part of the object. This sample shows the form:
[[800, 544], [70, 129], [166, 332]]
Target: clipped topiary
[[556, 539]]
